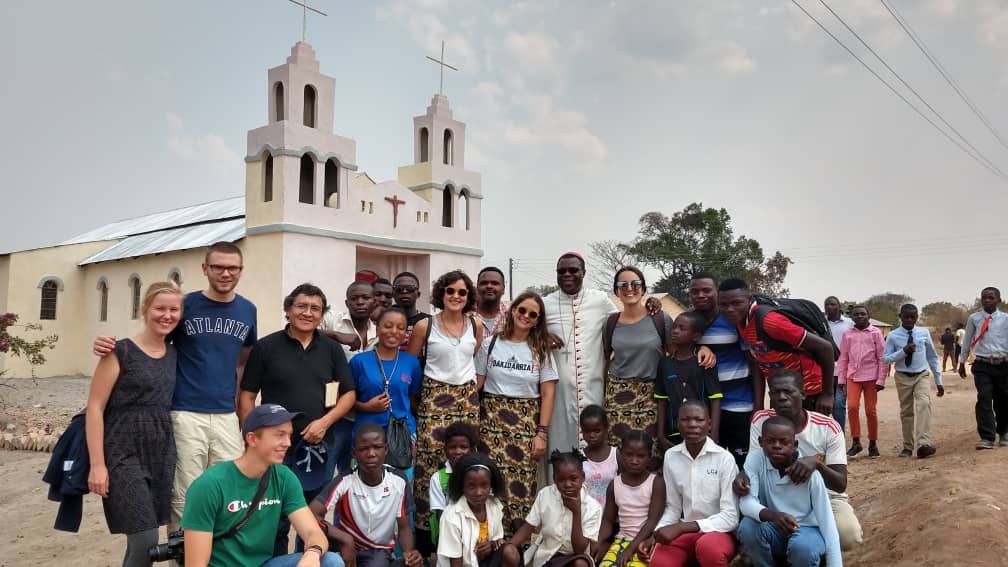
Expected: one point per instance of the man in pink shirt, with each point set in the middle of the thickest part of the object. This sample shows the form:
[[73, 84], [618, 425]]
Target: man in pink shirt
[[860, 367]]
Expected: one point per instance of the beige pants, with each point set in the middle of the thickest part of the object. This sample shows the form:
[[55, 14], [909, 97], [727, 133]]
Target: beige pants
[[201, 440], [847, 523], [915, 408]]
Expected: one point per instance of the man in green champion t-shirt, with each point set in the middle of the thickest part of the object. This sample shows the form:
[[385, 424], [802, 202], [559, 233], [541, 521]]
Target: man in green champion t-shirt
[[220, 497]]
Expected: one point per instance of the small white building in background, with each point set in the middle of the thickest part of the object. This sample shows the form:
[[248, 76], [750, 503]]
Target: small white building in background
[[308, 215]]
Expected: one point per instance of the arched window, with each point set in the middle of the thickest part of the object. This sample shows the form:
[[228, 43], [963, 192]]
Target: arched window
[[306, 189], [278, 99], [447, 200], [331, 184], [47, 304], [309, 106], [449, 157], [268, 179], [424, 145], [102, 300], [134, 286], [464, 207]]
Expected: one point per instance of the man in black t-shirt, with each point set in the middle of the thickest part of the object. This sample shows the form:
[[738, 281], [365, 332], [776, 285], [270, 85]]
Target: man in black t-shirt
[[681, 378], [948, 344], [406, 287]]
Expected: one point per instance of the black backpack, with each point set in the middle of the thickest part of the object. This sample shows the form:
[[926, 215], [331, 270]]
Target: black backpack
[[801, 312]]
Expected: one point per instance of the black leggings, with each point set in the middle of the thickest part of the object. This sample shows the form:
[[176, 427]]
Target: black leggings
[[137, 546]]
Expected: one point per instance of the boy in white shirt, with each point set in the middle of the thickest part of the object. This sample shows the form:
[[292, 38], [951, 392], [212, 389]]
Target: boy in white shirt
[[370, 507]]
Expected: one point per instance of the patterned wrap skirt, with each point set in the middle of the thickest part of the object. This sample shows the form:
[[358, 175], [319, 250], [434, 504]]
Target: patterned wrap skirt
[[630, 404], [507, 428], [439, 406]]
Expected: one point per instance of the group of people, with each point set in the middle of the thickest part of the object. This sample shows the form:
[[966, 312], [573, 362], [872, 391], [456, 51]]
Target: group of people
[[550, 430]]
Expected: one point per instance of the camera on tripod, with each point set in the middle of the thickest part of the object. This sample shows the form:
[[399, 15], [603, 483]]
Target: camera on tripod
[[172, 550]]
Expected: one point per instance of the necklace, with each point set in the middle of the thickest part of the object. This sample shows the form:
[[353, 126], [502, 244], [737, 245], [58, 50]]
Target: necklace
[[568, 335], [444, 331], [381, 368]]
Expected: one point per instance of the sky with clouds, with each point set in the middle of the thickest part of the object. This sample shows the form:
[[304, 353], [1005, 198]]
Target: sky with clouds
[[581, 116]]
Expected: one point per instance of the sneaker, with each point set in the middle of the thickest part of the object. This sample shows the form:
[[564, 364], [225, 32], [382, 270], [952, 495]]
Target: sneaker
[[854, 450], [925, 451], [873, 451], [985, 444], [906, 453], [1003, 442]]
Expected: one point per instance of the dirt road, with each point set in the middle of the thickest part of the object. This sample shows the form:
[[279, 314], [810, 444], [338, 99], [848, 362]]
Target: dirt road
[[951, 509]]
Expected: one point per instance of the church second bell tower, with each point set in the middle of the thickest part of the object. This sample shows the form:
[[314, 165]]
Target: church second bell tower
[[438, 137]]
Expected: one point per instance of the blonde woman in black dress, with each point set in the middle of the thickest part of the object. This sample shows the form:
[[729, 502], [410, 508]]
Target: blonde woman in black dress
[[129, 434]]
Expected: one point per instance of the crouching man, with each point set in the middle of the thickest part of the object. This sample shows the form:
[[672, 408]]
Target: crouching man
[[220, 499]]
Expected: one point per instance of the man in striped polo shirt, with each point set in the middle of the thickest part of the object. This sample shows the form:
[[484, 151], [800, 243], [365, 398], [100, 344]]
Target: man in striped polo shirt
[[735, 369]]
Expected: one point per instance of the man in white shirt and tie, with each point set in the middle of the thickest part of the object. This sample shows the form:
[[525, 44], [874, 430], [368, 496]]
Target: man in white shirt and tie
[[987, 336], [912, 352]]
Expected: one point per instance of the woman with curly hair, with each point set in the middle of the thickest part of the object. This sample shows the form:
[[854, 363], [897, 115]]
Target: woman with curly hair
[[446, 344], [517, 373]]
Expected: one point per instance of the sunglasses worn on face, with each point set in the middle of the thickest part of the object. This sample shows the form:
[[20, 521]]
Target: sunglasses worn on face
[[568, 271], [635, 284], [528, 313], [462, 292], [405, 288]]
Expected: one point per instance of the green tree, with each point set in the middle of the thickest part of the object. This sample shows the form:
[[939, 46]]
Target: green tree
[[14, 345], [701, 239], [885, 306], [941, 314]]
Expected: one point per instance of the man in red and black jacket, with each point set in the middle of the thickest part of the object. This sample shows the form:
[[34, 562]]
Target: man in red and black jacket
[[780, 344]]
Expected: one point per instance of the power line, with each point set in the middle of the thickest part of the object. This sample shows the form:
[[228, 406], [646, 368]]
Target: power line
[[897, 93], [907, 85], [901, 20]]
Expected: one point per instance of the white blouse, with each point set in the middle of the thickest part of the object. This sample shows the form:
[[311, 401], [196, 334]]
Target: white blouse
[[450, 359]]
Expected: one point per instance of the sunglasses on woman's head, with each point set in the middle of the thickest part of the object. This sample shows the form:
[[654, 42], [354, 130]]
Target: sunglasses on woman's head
[[635, 284], [462, 292], [527, 312]]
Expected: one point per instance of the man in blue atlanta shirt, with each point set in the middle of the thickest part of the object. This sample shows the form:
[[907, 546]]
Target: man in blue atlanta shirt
[[735, 370], [910, 349], [213, 341]]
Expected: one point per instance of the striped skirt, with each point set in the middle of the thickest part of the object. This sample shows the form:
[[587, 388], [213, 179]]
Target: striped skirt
[[630, 404], [439, 406], [507, 428]]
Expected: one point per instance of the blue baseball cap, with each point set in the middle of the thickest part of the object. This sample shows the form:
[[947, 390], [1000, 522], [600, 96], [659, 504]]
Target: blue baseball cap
[[267, 415]]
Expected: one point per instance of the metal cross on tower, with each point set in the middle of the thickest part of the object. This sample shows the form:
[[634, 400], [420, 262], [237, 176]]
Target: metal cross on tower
[[304, 18], [441, 63]]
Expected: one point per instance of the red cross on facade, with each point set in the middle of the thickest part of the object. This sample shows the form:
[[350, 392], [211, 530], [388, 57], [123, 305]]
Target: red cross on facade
[[396, 201]]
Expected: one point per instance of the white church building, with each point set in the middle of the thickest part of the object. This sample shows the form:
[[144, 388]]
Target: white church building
[[308, 215]]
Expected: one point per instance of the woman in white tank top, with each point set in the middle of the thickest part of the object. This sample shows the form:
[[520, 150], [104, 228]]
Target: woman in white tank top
[[447, 341]]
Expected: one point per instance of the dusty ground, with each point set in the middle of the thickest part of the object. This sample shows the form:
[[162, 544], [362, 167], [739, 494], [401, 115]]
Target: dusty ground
[[951, 509]]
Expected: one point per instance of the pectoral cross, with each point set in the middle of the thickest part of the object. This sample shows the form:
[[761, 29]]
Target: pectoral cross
[[396, 201], [304, 18]]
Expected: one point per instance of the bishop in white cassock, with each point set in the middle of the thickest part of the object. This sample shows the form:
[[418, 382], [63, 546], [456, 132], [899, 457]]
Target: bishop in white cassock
[[576, 317]]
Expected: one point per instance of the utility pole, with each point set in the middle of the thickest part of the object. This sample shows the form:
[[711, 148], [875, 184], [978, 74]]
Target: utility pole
[[511, 279]]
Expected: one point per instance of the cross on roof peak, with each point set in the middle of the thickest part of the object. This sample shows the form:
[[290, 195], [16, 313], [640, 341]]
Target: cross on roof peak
[[442, 64], [304, 18]]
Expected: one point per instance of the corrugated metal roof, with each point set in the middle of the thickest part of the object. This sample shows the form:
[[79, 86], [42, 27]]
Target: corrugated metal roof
[[183, 238], [206, 212]]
